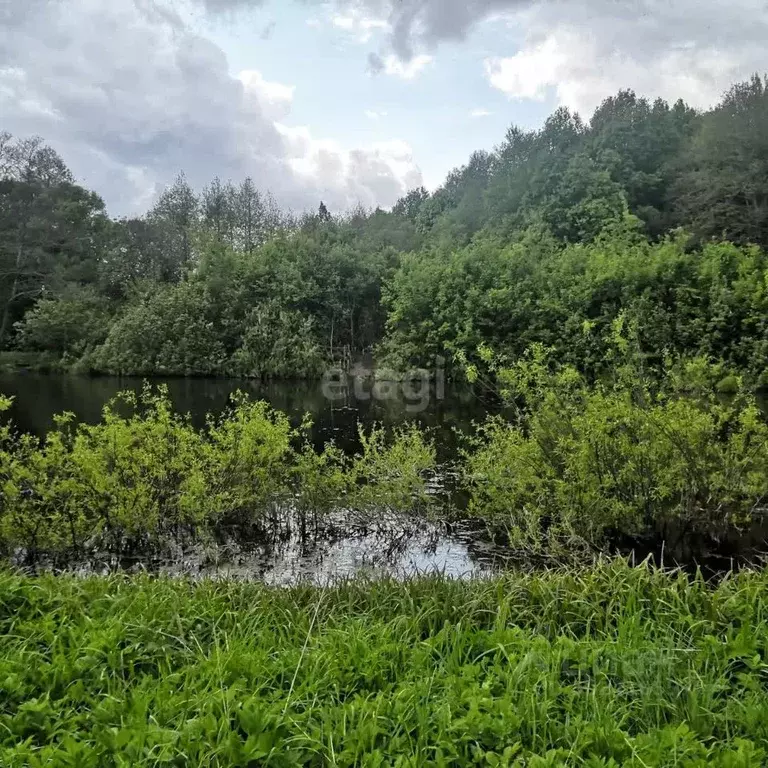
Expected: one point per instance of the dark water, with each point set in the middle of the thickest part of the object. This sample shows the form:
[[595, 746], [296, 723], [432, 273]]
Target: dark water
[[394, 547], [336, 409]]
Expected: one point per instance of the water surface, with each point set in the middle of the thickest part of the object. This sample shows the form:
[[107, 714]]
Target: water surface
[[335, 410], [393, 548]]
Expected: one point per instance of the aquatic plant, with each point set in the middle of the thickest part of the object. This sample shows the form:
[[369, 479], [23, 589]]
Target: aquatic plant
[[145, 476]]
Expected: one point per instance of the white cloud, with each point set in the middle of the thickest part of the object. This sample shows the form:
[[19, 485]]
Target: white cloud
[[583, 52], [417, 24], [383, 171], [274, 98], [407, 70], [373, 114], [475, 113], [360, 25], [530, 72], [130, 96]]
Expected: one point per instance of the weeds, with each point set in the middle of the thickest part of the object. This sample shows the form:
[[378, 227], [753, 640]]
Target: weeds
[[610, 665]]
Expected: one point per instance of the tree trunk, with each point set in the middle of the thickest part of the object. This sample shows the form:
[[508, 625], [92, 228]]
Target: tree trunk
[[11, 296], [7, 312]]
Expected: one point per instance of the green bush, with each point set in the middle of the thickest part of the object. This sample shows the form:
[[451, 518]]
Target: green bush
[[145, 477], [171, 331], [392, 476], [277, 343], [582, 466], [68, 326], [513, 292]]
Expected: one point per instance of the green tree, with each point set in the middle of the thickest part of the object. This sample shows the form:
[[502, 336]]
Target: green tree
[[176, 214], [722, 190], [50, 228]]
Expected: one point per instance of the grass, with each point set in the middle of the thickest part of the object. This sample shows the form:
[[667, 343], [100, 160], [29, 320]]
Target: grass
[[607, 666]]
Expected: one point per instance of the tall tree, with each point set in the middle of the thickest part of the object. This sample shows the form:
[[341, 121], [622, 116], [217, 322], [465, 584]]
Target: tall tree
[[49, 226], [411, 203], [176, 211], [723, 188], [637, 142], [218, 209], [136, 253], [323, 213], [250, 216]]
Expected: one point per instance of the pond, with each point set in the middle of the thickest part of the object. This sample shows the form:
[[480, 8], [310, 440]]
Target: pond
[[335, 408], [393, 547]]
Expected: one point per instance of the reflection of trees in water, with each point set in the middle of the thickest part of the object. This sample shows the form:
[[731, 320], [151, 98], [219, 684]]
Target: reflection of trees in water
[[288, 550], [38, 397]]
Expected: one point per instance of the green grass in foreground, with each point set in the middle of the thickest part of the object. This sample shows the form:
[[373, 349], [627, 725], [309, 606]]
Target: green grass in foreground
[[607, 666]]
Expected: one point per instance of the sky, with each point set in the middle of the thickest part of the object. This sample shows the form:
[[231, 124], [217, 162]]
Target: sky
[[346, 101]]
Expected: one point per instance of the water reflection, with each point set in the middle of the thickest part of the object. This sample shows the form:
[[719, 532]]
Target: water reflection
[[398, 549], [283, 554], [37, 397]]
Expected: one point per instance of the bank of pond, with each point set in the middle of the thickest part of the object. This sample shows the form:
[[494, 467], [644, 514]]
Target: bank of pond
[[604, 665], [568, 472], [576, 580]]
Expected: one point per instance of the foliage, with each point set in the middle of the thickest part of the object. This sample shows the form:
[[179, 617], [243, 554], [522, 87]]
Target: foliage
[[585, 468], [278, 342], [709, 302], [606, 666], [145, 478], [722, 189], [70, 326], [169, 331], [555, 231], [392, 476], [50, 228]]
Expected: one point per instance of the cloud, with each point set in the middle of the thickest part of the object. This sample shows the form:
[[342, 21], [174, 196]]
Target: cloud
[[392, 65], [412, 25], [529, 73], [227, 6], [382, 171], [475, 113], [375, 63], [273, 98], [373, 114], [415, 25], [581, 52], [129, 96], [268, 30], [406, 70], [358, 24]]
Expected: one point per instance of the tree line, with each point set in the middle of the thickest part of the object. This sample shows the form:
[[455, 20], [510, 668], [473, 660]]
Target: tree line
[[649, 211]]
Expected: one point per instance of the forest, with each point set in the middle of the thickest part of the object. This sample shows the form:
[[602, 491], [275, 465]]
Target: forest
[[650, 212], [605, 282]]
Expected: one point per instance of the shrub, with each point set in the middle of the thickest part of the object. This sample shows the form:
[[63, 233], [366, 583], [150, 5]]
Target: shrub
[[68, 326], [583, 467], [145, 477], [172, 331]]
